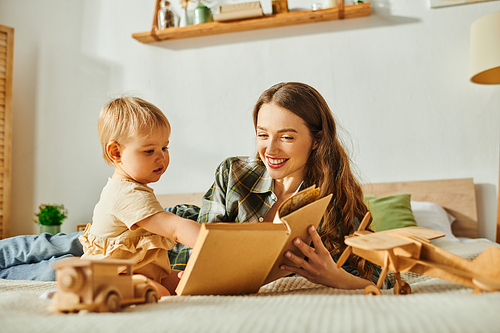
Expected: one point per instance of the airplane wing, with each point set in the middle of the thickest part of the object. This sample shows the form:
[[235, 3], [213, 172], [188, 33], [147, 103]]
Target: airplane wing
[[389, 239]]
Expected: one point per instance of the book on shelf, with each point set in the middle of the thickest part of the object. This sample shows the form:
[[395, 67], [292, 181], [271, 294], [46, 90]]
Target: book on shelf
[[239, 258], [239, 11]]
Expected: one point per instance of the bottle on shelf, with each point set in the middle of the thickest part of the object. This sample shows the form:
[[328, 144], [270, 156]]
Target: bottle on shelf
[[184, 20]]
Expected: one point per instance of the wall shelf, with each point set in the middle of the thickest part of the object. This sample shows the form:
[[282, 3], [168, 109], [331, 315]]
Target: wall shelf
[[267, 21]]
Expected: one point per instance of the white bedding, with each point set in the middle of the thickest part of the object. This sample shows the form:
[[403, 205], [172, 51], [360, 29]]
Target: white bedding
[[288, 305]]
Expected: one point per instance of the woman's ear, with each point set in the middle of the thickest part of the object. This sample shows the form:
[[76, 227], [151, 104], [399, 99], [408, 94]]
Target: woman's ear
[[113, 151], [316, 140]]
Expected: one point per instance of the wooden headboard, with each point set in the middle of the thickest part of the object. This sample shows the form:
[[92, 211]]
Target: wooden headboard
[[170, 200], [457, 196]]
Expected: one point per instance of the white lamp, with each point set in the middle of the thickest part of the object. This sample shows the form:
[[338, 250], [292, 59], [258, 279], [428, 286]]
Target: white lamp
[[485, 50], [485, 63]]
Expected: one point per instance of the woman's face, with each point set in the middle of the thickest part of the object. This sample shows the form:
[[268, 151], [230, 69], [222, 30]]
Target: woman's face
[[283, 141]]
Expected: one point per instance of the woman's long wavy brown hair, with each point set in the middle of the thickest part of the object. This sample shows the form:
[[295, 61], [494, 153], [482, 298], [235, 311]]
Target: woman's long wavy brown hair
[[328, 166]]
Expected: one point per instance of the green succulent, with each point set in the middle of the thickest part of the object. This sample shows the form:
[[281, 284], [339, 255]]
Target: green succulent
[[51, 214]]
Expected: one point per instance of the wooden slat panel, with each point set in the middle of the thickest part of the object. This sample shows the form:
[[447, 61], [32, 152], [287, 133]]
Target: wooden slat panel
[[6, 73]]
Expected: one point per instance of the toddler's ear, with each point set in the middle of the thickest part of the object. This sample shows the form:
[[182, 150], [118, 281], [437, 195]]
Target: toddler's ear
[[113, 150]]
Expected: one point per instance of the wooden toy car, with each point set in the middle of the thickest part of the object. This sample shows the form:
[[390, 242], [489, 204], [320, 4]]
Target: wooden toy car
[[99, 285]]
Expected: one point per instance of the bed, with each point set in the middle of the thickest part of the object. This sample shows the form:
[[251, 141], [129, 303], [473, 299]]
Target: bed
[[292, 304]]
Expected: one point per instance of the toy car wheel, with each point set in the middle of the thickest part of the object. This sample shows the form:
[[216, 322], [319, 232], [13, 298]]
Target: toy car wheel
[[151, 296], [70, 279], [112, 303], [372, 290]]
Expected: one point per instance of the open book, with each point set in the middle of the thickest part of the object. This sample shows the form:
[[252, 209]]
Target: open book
[[239, 258]]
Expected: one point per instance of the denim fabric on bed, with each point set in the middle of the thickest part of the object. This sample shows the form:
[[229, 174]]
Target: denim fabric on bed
[[30, 257]]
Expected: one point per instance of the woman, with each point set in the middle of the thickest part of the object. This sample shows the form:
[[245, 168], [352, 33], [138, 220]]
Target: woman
[[297, 146]]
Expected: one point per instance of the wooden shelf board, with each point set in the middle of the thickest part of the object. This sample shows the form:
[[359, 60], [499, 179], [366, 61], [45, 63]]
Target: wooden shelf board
[[268, 21]]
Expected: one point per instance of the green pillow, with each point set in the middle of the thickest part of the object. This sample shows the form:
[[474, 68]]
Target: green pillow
[[390, 212]]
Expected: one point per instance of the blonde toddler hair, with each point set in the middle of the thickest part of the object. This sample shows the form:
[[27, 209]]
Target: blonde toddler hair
[[124, 117]]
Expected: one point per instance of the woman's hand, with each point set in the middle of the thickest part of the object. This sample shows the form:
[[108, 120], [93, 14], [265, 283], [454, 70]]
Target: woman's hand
[[321, 268]]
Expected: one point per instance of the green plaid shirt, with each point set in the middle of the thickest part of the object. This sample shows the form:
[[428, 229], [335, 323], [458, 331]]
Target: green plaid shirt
[[242, 192]]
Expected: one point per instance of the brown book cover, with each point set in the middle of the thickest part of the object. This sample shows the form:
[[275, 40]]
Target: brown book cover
[[239, 258]]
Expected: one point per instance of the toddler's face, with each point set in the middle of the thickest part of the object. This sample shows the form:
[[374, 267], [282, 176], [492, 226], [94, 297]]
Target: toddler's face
[[144, 158]]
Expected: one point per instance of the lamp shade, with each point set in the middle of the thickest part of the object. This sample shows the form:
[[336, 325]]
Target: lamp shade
[[485, 49]]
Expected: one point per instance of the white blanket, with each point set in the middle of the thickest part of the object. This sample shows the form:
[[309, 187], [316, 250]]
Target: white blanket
[[288, 305]]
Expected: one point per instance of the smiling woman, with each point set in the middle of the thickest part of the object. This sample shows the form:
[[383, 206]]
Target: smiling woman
[[284, 144], [297, 147]]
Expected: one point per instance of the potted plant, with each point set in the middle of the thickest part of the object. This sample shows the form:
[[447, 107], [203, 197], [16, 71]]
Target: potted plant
[[50, 218]]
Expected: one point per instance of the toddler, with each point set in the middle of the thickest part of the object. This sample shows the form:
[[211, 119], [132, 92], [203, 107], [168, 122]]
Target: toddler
[[128, 220]]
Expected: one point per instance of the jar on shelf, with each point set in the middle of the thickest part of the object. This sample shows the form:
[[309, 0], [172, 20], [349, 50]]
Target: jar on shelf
[[202, 14], [166, 16]]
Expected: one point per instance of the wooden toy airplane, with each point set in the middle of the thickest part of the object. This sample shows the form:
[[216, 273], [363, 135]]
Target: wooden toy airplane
[[410, 249]]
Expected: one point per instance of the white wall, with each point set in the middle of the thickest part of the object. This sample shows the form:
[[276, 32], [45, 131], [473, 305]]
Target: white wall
[[397, 81]]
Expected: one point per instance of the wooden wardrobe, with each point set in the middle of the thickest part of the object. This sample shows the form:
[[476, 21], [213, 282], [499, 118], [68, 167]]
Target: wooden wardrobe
[[6, 69]]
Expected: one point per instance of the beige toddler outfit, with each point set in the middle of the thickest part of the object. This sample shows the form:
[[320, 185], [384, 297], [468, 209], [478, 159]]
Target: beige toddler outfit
[[114, 235]]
